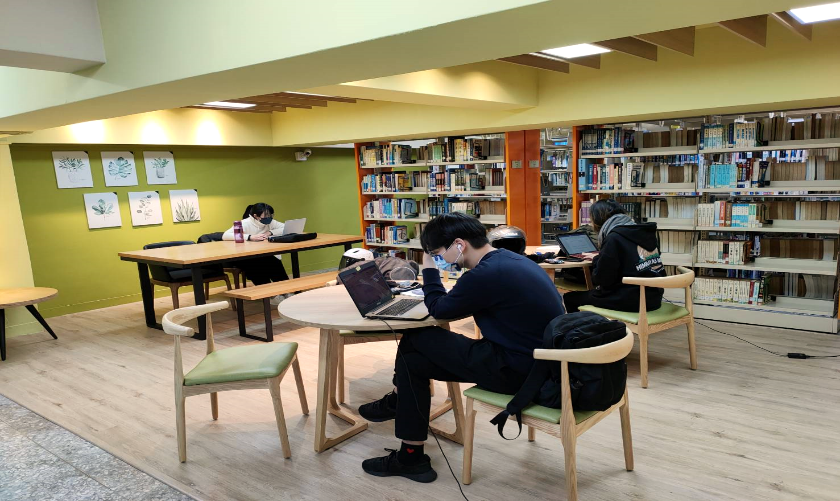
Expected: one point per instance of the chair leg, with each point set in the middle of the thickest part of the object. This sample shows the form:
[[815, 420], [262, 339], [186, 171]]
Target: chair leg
[[274, 388], [432, 387], [207, 290], [692, 348], [176, 302], [532, 433], [340, 382], [643, 358], [214, 405], [181, 426], [227, 284], [571, 470], [469, 436], [299, 382], [626, 437]]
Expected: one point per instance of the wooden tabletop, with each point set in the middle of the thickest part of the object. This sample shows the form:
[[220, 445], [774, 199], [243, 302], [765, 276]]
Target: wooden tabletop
[[25, 296], [184, 255], [332, 308]]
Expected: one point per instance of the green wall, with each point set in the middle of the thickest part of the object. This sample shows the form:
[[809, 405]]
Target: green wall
[[83, 264]]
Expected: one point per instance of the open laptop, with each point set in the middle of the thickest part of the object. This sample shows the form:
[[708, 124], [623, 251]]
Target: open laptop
[[373, 297], [294, 226], [575, 245]]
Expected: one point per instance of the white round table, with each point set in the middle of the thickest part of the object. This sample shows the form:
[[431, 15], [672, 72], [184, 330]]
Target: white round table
[[331, 309]]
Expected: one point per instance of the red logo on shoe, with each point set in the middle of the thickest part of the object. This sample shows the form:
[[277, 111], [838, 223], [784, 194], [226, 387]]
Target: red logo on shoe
[[410, 451]]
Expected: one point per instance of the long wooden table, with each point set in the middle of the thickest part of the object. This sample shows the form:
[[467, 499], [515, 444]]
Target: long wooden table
[[196, 256]]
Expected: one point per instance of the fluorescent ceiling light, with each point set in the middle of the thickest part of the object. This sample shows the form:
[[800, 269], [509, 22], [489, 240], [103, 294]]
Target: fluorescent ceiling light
[[226, 104], [817, 13], [573, 51], [794, 120]]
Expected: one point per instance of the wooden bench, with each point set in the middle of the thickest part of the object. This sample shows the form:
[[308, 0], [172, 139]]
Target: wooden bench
[[267, 291]]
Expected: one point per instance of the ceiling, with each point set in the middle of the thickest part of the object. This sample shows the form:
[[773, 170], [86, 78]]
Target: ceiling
[[280, 102]]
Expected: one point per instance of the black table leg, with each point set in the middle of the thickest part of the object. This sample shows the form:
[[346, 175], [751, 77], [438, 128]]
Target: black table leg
[[148, 294], [198, 293], [240, 315], [295, 265], [40, 319], [347, 247], [2, 334]]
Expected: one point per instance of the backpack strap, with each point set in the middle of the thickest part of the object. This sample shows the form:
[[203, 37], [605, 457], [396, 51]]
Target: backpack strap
[[540, 371]]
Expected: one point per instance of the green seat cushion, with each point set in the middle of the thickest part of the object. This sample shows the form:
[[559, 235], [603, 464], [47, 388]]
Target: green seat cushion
[[666, 313], [260, 361], [570, 286], [535, 411]]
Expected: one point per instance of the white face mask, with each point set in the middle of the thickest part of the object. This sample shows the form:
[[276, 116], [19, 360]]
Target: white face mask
[[444, 265]]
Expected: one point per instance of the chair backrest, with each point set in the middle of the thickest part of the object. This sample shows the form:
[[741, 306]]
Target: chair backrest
[[161, 273], [681, 281], [210, 237], [173, 323], [604, 354]]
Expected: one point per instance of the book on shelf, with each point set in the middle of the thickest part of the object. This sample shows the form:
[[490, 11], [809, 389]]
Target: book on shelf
[[670, 207], [730, 214], [732, 135], [384, 155], [730, 290], [555, 209], [474, 207], [555, 179], [616, 140], [490, 178], [394, 182], [460, 149], [402, 208], [585, 217], [736, 252], [556, 159], [801, 285], [821, 249], [379, 233], [637, 174], [676, 242], [804, 210]]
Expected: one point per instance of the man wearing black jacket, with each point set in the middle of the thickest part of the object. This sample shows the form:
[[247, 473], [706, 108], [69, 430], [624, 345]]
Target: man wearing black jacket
[[627, 249], [510, 298]]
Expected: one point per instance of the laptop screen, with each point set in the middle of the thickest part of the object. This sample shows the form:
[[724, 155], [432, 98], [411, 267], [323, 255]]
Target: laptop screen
[[366, 286], [576, 243]]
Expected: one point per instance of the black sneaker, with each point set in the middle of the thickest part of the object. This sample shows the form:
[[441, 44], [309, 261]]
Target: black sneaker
[[390, 466], [380, 410]]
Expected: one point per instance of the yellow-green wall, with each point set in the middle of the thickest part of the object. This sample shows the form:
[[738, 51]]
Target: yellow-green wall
[[83, 264], [15, 270]]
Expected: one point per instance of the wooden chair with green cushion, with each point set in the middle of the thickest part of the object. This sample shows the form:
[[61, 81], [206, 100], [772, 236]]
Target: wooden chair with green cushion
[[566, 423], [241, 368], [644, 323]]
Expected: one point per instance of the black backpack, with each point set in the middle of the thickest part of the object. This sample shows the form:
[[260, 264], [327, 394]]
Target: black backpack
[[595, 387]]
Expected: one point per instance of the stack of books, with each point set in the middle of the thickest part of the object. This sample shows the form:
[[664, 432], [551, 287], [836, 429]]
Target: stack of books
[[737, 252], [383, 155], [391, 208], [385, 234], [677, 242], [730, 290], [729, 214]]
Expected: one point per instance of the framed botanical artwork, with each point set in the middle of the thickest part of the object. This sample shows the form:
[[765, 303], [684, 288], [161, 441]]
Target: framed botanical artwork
[[160, 167], [119, 168], [145, 208], [72, 169], [103, 210], [184, 206]]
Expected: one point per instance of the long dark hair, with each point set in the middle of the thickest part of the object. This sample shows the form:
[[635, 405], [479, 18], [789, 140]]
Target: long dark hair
[[257, 210], [603, 210]]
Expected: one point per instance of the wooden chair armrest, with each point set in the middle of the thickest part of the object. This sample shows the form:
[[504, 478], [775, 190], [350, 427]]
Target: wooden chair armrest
[[173, 320], [603, 354], [684, 279]]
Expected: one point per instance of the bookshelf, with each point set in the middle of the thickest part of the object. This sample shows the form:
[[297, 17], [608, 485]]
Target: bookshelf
[[404, 184], [557, 183], [785, 163]]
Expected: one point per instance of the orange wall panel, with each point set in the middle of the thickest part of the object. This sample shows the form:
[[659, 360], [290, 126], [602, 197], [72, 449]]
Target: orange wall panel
[[533, 192], [515, 156]]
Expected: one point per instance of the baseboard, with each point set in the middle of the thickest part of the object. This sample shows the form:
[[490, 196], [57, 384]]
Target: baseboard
[[23, 329]]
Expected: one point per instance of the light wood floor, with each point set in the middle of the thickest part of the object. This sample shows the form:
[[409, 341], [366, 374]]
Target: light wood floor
[[746, 425]]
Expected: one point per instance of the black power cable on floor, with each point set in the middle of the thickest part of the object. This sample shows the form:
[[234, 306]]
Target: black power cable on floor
[[411, 387], [800, 356]]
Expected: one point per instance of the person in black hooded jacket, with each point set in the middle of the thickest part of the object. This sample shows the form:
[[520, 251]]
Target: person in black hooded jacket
[[627, 249]]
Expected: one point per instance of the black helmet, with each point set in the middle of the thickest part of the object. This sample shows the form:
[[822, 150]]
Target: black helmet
[[507, 237]]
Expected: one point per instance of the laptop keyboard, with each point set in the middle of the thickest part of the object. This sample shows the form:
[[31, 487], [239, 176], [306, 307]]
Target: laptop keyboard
[[398, 308]]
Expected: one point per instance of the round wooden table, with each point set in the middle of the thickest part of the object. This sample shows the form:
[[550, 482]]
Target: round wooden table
[[586, 265], [23, 296], [331, 309]]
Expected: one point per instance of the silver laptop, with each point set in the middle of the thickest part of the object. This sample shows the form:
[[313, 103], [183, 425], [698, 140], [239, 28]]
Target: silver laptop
[[373, 297], [294, 226]]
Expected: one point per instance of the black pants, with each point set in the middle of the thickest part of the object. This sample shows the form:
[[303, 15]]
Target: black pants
[[442, 355], [262, 270], [575, 299]]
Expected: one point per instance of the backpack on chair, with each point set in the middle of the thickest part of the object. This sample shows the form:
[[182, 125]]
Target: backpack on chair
[[594, 387]]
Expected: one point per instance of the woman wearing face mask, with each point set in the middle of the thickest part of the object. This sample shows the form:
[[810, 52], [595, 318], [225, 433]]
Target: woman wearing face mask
[[627, 249], [257, 225]]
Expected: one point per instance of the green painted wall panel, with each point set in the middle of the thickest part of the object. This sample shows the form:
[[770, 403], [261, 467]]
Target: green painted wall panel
[[83, 264]]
